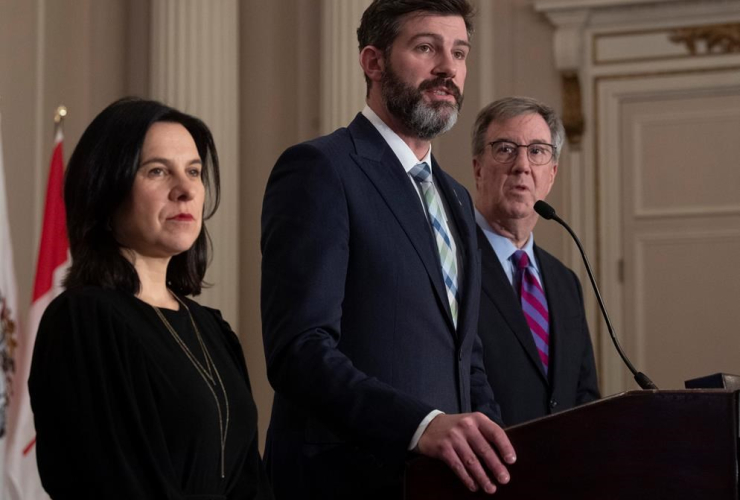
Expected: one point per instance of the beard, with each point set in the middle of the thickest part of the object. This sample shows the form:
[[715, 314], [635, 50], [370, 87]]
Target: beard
[[424, 120]]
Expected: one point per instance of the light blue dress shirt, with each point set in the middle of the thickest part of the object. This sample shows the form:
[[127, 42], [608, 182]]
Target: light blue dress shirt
[[505, 248]]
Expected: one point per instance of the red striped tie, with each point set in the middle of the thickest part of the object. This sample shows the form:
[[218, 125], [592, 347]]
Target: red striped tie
[[534, 305]]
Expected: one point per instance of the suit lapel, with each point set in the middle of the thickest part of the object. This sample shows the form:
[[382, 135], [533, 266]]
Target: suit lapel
[[381, 166], [498, 289]]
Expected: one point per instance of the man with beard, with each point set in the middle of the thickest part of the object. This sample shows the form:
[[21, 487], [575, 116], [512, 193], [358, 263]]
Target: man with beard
[[371, 279]]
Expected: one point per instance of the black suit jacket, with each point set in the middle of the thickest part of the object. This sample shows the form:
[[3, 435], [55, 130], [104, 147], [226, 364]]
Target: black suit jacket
[[358, 335], [515, 371]]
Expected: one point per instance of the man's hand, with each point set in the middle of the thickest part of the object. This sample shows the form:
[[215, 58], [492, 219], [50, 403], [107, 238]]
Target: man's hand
[[464, 441]]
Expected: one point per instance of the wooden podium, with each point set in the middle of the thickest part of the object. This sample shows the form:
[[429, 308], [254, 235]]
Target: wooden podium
[[638, 445]]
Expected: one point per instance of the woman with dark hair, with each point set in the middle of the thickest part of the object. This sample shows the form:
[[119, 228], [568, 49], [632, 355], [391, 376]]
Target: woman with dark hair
[[137, 391]]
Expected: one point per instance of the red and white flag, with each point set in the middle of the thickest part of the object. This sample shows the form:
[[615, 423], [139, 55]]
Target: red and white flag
[[8, 301], [22, 477]]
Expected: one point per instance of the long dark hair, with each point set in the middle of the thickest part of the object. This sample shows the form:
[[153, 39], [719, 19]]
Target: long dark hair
[[99, 178]]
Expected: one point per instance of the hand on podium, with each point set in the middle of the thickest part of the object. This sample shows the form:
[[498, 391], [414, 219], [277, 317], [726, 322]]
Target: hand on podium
[[466, 442]]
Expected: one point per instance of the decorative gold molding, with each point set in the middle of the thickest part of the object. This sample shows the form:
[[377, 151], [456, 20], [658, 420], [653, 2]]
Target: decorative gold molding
[[573, 120], [715, 39], [725, 39]]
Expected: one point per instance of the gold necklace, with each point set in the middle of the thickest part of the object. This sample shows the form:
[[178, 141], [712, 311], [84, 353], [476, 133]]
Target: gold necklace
[[205, 372]]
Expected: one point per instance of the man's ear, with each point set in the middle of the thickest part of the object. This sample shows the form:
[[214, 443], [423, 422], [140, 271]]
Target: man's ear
[[553, 174], [476, 170], [372, 61]]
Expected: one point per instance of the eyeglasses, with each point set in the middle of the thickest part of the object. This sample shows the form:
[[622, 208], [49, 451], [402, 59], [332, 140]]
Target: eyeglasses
[[539, 153]]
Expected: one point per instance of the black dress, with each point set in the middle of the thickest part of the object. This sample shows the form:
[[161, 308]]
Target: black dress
[[122, 413]]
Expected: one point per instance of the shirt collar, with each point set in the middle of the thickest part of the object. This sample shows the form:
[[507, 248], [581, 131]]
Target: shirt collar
[[503, 246], [402, 150]]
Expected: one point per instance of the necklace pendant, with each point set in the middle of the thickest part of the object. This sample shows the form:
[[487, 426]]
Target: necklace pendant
[[207, 374]]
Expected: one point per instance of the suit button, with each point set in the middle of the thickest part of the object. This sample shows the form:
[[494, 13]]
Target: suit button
[[459, 356], [553, 403]]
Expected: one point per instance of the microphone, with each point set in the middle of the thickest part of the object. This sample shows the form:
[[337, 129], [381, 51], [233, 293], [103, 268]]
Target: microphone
[[547, 212]]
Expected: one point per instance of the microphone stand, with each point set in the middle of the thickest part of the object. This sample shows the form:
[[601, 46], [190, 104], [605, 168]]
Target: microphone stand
[[548, 212]]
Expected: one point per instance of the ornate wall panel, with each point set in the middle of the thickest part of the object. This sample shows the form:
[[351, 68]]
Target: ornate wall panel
[[658, 83], [678, 334]]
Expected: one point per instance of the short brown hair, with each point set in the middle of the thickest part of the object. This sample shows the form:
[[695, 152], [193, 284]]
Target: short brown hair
[[381, 21]]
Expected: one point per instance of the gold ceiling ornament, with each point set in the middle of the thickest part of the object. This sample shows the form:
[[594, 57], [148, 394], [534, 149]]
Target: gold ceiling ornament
[[573, 120], [714, 39]]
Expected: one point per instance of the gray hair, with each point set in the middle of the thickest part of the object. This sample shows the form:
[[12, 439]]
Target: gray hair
[[509, 107]]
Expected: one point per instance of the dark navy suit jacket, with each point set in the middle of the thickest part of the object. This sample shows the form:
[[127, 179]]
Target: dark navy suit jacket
[[358, 335], [515, 371]]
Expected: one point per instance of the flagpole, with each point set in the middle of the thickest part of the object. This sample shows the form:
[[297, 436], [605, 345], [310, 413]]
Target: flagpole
[[22, 481]]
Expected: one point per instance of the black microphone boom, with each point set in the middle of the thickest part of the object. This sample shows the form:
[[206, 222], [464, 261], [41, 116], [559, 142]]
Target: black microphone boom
[[547, 212]]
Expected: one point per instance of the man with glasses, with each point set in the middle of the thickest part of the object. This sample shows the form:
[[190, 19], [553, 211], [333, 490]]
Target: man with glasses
[[537, 349]]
